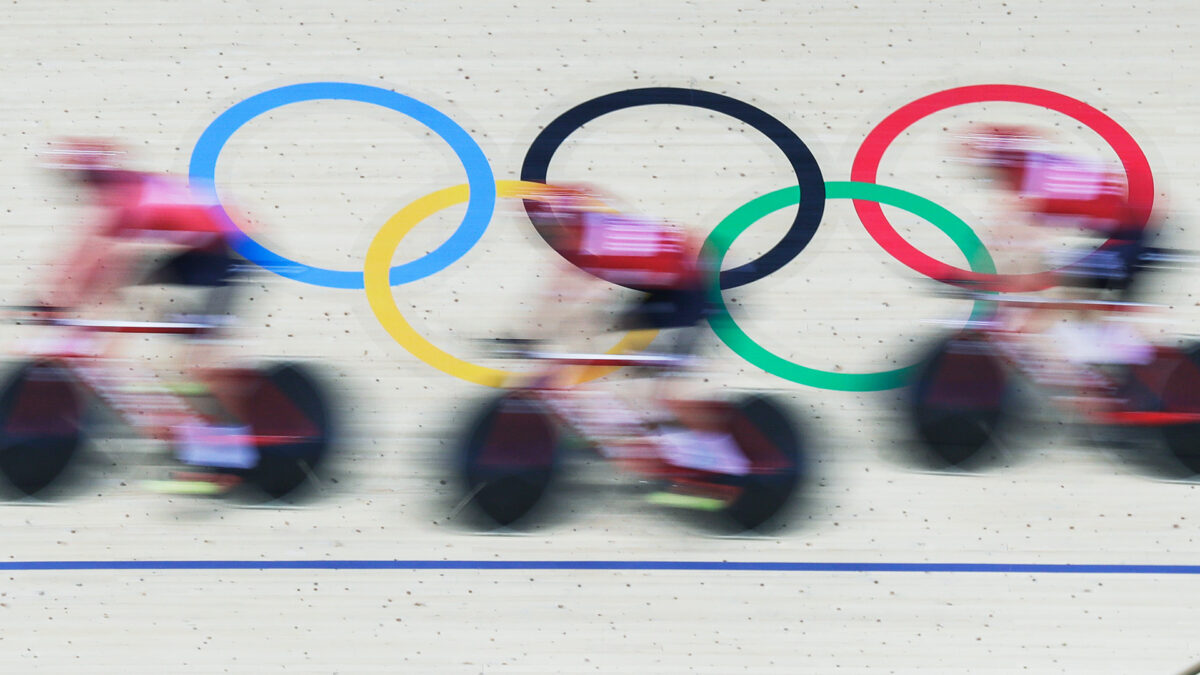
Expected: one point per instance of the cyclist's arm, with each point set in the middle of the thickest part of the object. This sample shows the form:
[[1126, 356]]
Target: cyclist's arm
[[567, 292], [95, 267]]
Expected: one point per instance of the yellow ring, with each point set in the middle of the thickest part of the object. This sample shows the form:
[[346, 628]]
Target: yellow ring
[[379, 292]]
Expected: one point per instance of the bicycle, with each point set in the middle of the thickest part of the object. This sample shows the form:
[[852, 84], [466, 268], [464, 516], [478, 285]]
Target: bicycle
[[273, 421], [513, 449], [963, 392]]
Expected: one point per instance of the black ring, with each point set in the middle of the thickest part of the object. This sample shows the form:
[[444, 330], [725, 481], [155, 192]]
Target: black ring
[[808, 173]]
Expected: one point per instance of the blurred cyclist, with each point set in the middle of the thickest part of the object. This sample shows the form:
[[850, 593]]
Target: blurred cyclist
[[657, 259], [665, 266], [1056, 190], [157, 222], [145, 216], [1062, 191]]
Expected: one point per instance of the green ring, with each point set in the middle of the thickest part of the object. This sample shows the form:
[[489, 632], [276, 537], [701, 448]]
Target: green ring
[[718, 243]]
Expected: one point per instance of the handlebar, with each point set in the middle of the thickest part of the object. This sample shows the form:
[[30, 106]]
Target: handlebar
[[29, 318], [520, 348], [1020, 300], [1166, 258]]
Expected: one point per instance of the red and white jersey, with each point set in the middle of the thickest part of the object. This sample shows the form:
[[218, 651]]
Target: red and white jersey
[[158, 208], [634, 251], [1067, 191]]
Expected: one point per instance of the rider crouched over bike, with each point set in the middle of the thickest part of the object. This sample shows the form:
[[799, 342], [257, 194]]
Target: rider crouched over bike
[[1055, 190], [154, 230], [142, 217], [657, 259], [664, 265]]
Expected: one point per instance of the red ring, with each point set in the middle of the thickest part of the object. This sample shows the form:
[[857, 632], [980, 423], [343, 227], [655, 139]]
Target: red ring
[[870, 153]]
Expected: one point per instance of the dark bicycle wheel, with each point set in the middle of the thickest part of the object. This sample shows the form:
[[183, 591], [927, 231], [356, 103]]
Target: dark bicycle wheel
[[41, 425], [288, 413], [1174, 376], [959, 397], [766, 434], [509, 456]]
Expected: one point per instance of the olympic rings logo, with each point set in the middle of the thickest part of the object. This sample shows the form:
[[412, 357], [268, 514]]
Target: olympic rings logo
[[809, 195]]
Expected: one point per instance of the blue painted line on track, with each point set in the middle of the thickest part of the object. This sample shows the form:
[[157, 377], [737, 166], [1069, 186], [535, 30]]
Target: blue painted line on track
[[592, 565]]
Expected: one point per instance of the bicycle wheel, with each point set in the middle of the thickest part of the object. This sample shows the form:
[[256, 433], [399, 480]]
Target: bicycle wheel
[[1178, 391], [509, 456], [41, 425], [288, 414], [960, 395], [767, 436]]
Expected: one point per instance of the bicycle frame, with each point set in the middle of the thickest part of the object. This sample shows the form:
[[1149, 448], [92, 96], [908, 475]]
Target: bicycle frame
[[557, 389], [618, 431], [140, 398], [1089, 388], [742, 458]]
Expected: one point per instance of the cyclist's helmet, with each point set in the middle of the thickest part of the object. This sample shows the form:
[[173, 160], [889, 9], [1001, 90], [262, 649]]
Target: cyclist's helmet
[[999, 145], [82, 159], [561, 205]]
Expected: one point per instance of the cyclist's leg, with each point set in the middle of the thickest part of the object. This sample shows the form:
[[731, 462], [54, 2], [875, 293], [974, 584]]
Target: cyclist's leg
[[208, 272], [676, 313], [1113, 267], [1109, 272], [211, 268], [98, 266]]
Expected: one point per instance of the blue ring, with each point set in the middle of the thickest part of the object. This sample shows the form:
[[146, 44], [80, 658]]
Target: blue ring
[[482, 202]]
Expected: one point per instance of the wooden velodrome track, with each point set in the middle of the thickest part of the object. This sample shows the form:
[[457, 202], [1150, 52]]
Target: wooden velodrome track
[[317, 179]]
